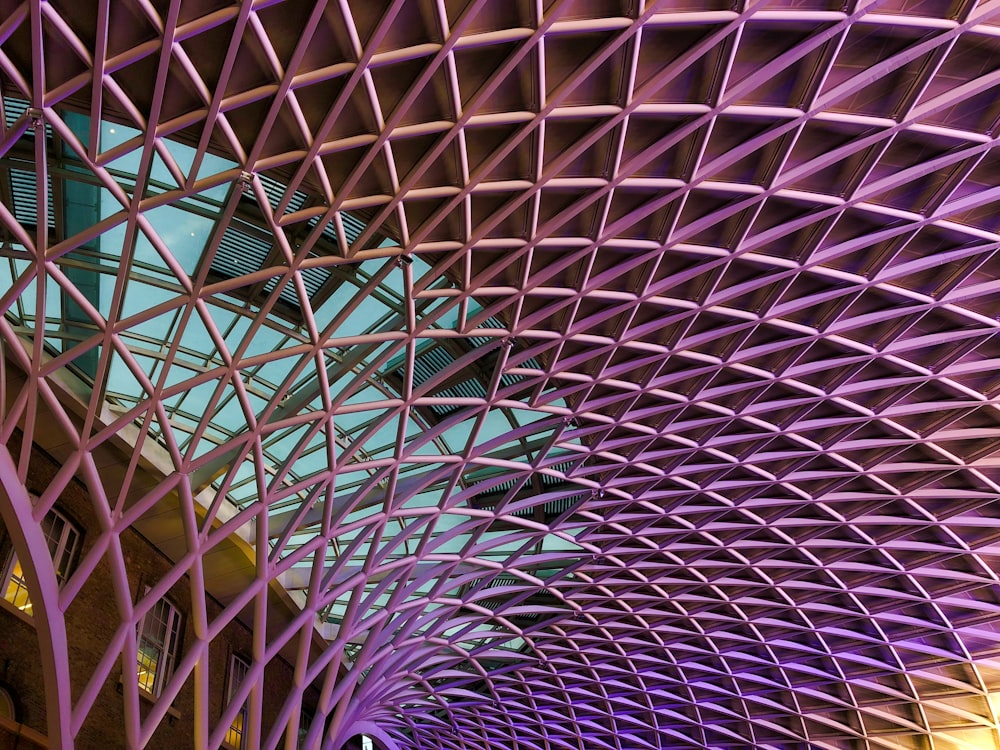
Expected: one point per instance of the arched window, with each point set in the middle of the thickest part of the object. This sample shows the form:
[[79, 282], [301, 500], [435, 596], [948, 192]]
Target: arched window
[[8, 708], [363, 742]]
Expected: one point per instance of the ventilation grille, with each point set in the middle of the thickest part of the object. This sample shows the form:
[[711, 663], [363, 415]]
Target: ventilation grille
[[22, 188]]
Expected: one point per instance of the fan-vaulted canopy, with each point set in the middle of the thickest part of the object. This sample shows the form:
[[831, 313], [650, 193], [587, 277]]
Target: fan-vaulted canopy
[[583, 374]]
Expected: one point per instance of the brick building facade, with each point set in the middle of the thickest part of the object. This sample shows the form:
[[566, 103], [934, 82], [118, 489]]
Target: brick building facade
[[91, 619]]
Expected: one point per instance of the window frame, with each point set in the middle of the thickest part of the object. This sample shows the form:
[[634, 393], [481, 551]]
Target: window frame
[[64, 549], [8, 704], [168, 651], [239, 669]]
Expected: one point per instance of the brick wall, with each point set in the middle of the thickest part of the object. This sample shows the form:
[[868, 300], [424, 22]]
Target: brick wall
[[91, 620]]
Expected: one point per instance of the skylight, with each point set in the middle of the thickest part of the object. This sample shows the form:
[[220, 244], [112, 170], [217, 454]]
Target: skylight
[[366, 413]]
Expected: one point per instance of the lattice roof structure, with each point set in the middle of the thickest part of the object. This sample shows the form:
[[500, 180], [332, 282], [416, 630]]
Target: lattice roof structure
[[570, 374]]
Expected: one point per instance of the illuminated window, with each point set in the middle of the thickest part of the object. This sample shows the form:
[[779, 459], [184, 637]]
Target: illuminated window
[[238, 669], [63, 539], [159, 646]]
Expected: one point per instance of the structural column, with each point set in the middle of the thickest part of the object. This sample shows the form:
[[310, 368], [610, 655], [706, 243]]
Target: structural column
[[29, 543]]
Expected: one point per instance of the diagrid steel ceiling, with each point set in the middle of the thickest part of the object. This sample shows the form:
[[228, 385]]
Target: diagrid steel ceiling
[[572, 374]]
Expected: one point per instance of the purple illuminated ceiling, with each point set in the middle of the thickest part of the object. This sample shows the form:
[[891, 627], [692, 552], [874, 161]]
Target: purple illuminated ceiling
[[569, 374]]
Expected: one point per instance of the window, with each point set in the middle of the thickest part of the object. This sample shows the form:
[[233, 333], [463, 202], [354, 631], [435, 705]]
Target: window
[[8, 708], [305, 721], [159, 646], [238, 669], [63, 538]]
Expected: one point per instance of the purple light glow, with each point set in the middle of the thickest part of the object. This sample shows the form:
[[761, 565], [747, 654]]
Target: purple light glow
[[607, 375]]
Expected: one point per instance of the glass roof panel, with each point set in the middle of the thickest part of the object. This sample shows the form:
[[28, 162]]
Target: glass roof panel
[[334, 401]]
